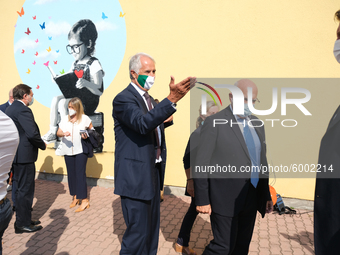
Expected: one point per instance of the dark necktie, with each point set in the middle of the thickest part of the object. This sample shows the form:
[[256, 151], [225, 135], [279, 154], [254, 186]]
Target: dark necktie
[[248, 137], [148, 100]]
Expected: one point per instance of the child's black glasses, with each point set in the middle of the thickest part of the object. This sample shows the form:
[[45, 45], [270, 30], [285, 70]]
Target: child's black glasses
[[74, 48]]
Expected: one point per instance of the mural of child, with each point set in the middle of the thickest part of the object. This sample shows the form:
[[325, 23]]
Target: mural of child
[[82, 40]]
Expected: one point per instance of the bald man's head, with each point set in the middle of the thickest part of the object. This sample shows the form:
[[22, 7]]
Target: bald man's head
[[243, 85], [10, 96]]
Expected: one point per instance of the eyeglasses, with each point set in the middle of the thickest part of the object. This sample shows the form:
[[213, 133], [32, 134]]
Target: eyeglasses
[[254, 100], [74, 48]]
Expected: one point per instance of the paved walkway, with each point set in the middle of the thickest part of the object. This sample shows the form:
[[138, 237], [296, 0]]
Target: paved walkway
[[99, 229]]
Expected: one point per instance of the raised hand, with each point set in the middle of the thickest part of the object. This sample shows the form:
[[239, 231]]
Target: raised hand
[[179, 90]]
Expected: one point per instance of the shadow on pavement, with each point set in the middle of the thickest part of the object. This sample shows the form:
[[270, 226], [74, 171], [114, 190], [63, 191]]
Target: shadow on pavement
[[303, 238], [45, 196], [53, 231]]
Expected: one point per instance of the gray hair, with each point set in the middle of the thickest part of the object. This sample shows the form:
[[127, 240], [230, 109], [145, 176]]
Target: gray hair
[[135, 63]]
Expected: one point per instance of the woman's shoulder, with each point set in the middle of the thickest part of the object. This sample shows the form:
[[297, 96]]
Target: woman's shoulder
[[64, 119], [84, 117]]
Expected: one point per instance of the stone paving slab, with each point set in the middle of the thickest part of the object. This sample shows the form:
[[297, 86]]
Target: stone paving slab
[[99, 229]]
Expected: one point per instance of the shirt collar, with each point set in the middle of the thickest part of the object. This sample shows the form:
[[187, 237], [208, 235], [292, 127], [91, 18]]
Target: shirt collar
[[21, 102], [139, 90], [238, 117]]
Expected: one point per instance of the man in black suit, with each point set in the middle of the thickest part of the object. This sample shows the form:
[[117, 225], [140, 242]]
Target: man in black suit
[[27, 153], [232, 198], [140, 153], [326, 200], [4, 106]]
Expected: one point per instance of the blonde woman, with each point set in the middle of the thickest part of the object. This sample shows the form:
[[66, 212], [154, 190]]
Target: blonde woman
[[72, 129]]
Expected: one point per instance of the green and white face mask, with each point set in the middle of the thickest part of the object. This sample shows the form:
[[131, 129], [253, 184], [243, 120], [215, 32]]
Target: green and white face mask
[[146, 81]]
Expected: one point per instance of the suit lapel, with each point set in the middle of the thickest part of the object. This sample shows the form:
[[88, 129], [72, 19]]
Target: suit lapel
[[236, 129], [138, 97], [335, 118]]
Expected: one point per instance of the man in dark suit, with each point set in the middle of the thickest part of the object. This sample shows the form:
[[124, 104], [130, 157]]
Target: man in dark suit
[[27, 153], [140, 153], [326, 200], [4, 106], [232, 198]]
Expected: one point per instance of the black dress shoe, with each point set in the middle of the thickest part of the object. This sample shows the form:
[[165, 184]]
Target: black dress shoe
[[35, 222], [29, 229]]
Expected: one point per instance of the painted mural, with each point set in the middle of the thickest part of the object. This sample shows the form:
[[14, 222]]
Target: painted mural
[[69, 48]]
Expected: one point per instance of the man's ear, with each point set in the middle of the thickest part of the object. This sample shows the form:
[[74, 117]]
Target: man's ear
[[134, 74]]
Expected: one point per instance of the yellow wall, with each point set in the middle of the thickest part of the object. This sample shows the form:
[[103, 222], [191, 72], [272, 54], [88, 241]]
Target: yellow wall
[[204, 38]]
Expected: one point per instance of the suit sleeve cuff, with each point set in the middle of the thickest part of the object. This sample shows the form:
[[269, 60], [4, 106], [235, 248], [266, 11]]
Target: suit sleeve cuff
[[172, 104]]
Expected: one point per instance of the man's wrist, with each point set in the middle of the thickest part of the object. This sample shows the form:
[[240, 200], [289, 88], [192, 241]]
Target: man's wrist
[[172, 99], [172, 103]]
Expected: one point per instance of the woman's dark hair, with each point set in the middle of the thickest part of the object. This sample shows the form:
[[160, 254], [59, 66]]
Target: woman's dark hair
[[87, 32], [20, 90]]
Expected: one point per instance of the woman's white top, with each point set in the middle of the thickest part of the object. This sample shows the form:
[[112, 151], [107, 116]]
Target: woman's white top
[[71, 145]]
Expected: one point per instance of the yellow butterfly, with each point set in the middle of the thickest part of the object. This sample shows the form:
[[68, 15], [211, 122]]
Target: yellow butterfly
[[121, 14], [49, 49], [28, 71]]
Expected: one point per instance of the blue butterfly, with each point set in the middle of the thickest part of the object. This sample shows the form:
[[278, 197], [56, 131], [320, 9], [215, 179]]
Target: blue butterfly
[[50, 38], [103, 16], [42, 26], [57, 51]]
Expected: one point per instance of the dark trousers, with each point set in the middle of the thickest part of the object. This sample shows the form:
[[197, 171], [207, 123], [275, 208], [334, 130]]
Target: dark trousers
[[23, 178], [5, 218], [232, 235], [188, 221], [142, 224], [14, 188], [14, 191], [76, 175]]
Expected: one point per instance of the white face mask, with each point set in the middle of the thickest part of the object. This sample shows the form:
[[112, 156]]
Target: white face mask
[[71, 112], [149, 82], [32, 101], [336, 50], [246, 112]]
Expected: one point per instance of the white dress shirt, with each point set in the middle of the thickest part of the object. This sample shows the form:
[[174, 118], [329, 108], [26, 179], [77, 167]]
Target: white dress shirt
[[142, 92], [9, 140]]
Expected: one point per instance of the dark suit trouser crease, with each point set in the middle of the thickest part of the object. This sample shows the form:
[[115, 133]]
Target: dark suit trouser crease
[[232, 235], [24, 180], [142, 224], [5, 217], [76, 175], [188, 222]]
